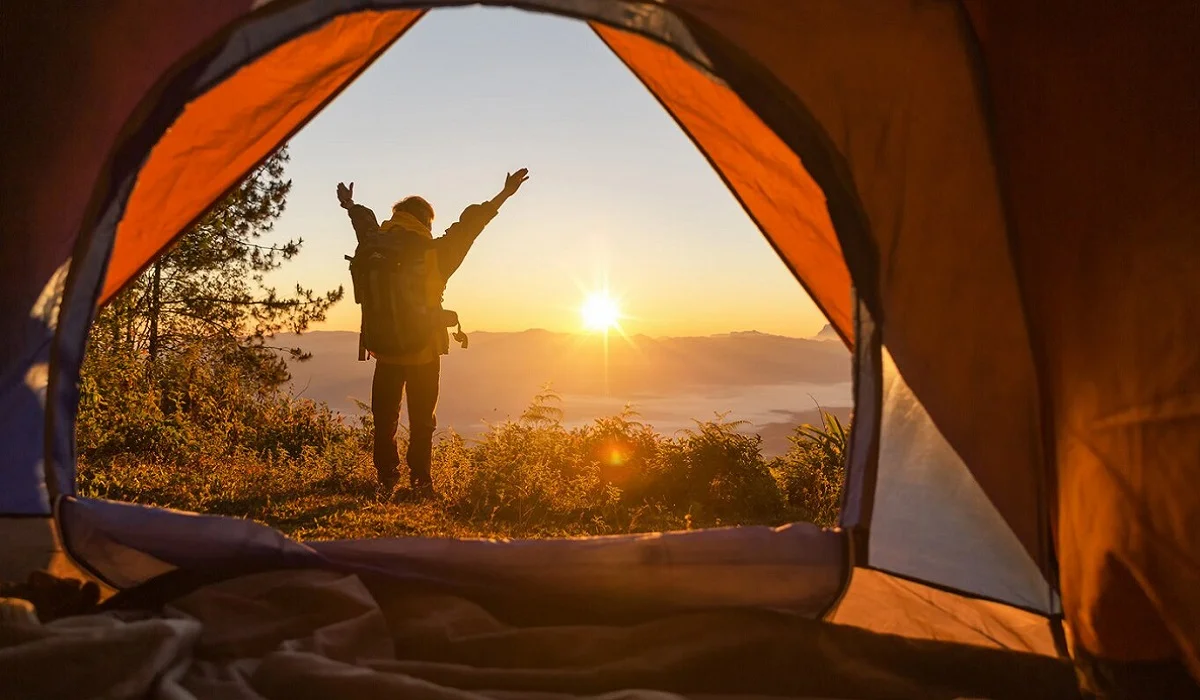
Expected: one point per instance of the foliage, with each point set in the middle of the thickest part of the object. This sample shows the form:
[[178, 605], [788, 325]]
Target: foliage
[[205, 403], [210, 286], [811, 473], [717, 470], [229, 447], [178, 368]]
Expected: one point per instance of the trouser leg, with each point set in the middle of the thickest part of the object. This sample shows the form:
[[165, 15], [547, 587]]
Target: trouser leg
[[387, 387], [422, 403]]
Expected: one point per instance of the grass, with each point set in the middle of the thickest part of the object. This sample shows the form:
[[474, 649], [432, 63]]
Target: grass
[[307, 504], [488, 489], [213, 441]]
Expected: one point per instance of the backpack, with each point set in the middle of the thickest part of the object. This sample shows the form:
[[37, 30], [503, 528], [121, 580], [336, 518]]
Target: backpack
[[389, 280]]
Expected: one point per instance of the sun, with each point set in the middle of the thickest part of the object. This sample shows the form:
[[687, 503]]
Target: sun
[[600, 312]]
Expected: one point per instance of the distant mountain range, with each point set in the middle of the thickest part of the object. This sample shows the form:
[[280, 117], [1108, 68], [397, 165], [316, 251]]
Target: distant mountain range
[[827, 333], [773, 382]]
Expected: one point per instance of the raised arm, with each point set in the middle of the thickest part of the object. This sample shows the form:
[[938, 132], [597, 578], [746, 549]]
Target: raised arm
[[512, 183], [453, 246], [361, 218]]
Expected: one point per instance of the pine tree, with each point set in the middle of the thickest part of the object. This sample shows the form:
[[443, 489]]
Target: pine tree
[[209, 289]]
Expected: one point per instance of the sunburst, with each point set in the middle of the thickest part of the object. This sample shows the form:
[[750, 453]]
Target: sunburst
[[600, 313]]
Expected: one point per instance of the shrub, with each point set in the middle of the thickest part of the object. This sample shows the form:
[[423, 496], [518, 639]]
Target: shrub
[[199, 434], [715, 472], [195, 404], [812, 472], [530, 473], [624, 451]]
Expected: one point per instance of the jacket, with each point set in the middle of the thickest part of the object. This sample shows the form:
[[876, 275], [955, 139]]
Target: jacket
[[441, 261]]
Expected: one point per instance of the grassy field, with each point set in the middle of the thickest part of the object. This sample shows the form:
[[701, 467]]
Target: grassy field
[[503, 486], [213, 445], [301, 499]]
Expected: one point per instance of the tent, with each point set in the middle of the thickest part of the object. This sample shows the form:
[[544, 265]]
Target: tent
[[993, 202]]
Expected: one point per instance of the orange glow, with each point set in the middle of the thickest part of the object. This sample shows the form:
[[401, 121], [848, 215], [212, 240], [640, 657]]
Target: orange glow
[[600, 312]]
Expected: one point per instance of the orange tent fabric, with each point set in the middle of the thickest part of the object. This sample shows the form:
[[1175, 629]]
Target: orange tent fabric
[[227, 132], [933, 287], [895, 91], [61, 137], [1098, 120], [1028, 172]]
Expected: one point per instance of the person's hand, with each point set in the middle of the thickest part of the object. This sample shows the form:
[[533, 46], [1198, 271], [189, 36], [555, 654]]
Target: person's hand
[[515, 180], [345, 195]]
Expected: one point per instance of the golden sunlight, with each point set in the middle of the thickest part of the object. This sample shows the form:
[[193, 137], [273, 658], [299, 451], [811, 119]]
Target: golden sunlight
[[600, 312]]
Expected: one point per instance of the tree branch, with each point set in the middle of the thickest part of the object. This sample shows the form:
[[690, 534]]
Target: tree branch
[[240, 241], [251, 302]]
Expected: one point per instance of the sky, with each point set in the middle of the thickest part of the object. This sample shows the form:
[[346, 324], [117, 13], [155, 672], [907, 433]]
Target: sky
[[618, 197]]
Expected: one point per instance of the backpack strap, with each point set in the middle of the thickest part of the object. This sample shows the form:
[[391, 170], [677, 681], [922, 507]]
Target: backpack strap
[[355, 283], [362, 344]]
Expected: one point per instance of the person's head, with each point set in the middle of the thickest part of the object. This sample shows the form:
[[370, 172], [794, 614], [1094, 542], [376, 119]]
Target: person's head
[[416, 206]]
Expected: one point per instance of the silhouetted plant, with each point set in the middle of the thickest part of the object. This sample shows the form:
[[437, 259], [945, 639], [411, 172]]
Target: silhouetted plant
[[543, 410], [811, 473]]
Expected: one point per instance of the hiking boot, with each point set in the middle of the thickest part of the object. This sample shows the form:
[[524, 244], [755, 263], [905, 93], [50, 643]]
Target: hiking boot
[[387, 485], [415, 494], [425, 492]]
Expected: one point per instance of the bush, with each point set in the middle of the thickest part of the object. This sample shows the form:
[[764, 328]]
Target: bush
[[713, 473], [812, 472], [531, 474], [121, 413], [204, 402], [199, 433]]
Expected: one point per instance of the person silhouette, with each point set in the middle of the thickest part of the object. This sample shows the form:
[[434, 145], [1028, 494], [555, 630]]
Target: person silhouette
[[418, 372]]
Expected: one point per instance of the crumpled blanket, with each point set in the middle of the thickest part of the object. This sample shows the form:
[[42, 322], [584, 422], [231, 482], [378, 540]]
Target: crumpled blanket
[[307, 634]]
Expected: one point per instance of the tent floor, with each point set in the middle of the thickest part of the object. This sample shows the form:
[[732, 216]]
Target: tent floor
[[308, 633]]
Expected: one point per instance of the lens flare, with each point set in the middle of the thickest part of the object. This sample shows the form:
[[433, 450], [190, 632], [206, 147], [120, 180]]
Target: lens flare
[[600, 312]]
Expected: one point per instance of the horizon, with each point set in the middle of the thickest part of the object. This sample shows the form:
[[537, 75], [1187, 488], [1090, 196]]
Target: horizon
[[816, 336], [619, 199], [767, 380]]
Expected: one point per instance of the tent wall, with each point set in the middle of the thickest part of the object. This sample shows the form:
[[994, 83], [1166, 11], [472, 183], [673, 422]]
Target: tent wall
[[932, 558], [930, 519], [1053, 325], [862, 450], [880, 602], [231, 129], [886, 83], [1093, 234], [61, 139], [1098, 120]]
